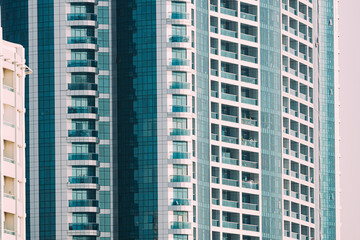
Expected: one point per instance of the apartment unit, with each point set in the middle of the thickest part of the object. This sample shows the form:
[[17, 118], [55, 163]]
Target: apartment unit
[[12, 141], [180, 119]]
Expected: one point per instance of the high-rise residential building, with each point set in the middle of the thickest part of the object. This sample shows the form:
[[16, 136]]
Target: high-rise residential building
[[180, 119], [12, 140]]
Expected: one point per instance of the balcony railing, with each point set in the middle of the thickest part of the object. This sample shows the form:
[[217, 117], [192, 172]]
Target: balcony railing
[[247, 100], [248, 37], [81, 16], [179, 62], [248, 58], [180, 85], [230, 182], [229, 75], [227, 96], [228, 11], [248, 79], [248, 16], [179, 108], [82, 86], [233, 225], [229, 54], [8, 231], [180, 225], [8, 195], [8, 159], [80, 40], [83, 156], [83, 226], [177, 38], [250, 227], [180, 202], [179, 132], [180, 155], [89, 109], [84, 203], [250, 206], [250, 164], [179, 15], [251, 185], [82, 133], [180, 178], [229, 33], [250, 143], [82, 63], [230, 203], [232, 161], [251, 122], [84, 179], [230, 139]]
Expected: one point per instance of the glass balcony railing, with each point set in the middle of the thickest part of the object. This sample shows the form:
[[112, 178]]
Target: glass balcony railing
[[215, 201], [215, 223], [250, 206], [229, 75], [230, 203], [232, 161], [180, 202], [248, 79], [228, 11], [230, 139], [180, 85], [250, 227], [179, 132], [250, 185], [214, 72], [89, 109], [213, 29], [233, 225], [9, 88], [214, 94], [213, 50], [229, 54], [250, 164], [8, 231], [83, 86], [82, 133], [180, 225], [179, 15], [84, 179], [250, 143], [179, 108], [8, 195], [248, 16], [178, 38], [180, 155], [84, 203], [82, 63], [180, 178], [83, 226], [214, 158], [179, 62], [247, 37], [215, 136], [83, 156], [228, 96], [84, 39], [9, 159], [215, 115], [213, 8], [229, 33], [215, 179], [230, 182], [248, 58], [247, 100], [251, 122], [81, 16]]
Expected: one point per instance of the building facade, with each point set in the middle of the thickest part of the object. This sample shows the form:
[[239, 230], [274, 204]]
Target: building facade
[[180, 119], [12, 142]]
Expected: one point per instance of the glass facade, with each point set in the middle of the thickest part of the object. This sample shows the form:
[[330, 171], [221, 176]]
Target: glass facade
[[189, 119]]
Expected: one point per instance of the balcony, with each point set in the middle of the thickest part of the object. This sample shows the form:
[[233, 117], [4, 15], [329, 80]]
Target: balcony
[[229, 75], [250, 206], [82, 133], [248, 100], [230, 139], [229, 160], [230, 203], [83, 226], [81, 16], [228, 11], [179, 15], [179, 62], [230, 182], [179, 109], [229, 54], [229, 33], [250, 122], [82, 40], [248, 16], [89, 109], [215, 179], [180, 155], [180, 225], [248, 37], [180, 202], [248, 58], [83, 156], [180, 178], [179, 132], [250, 227], [82, 63], [233, 225], [251, 185], [250, 143], [83, 86], [248, 79], [228, 96], [84, 203], [84, 179], [178, 38], [250, 164]]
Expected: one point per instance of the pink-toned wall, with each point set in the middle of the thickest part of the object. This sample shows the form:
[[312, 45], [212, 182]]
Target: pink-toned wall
[[350, 117]]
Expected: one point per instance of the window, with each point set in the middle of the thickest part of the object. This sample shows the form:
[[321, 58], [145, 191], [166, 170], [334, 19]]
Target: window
[[179, 100], [84, 217], [103, 38], [180, 216], [103, 15], [83, 194], [104, 82], [104, 61], [82, 124], [104, 176], [180, 169], [104, 130], [83, 171], [83, 148], [104, 107], [180, 193], [179, 146], [180, 123], [178, 30], [178, 7], [179, 76], [179, 53]]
